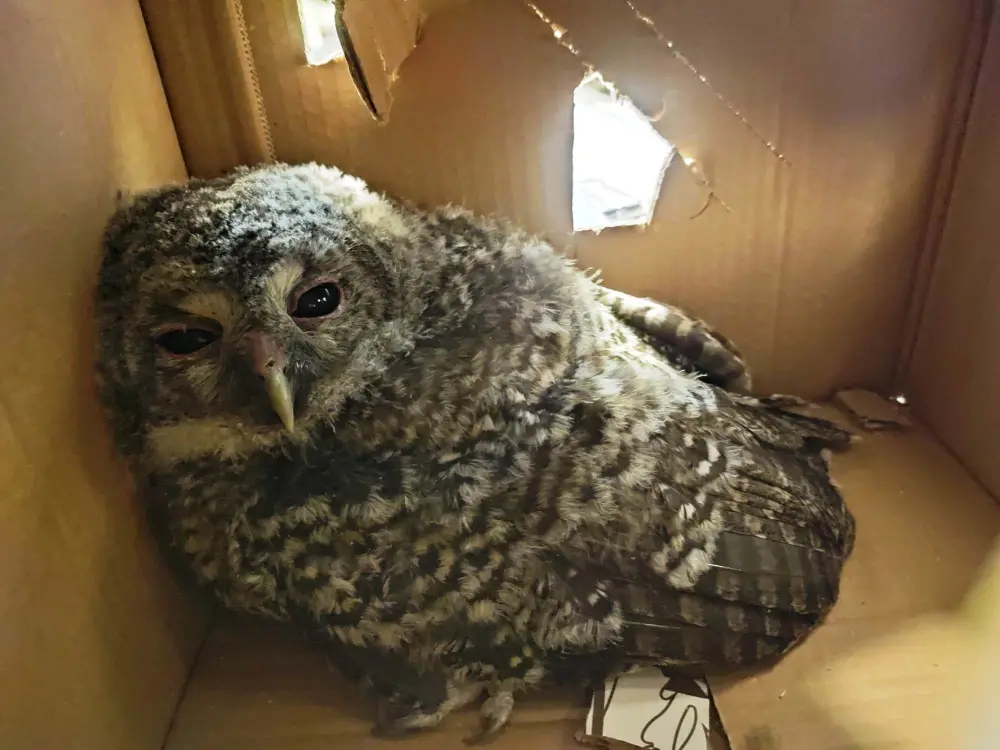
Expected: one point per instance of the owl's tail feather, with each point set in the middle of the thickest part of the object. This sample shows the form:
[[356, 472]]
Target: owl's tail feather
[[759, 598], [783, 489], [701, 629], [772, 422], [777, 561]]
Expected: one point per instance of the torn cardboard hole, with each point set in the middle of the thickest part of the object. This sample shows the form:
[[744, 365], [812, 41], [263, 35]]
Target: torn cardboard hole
[[619, 159], [319, 31], [561, 35]]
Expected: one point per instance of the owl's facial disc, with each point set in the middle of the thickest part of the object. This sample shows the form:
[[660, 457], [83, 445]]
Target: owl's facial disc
[[267, 358]]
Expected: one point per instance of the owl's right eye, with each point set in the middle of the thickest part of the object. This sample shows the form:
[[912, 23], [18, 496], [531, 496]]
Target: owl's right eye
[[184, 341]]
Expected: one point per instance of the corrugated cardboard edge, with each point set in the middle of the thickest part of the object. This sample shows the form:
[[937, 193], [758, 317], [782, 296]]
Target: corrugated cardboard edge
[[207, 66], [209, 72], [349, 25], [966, 80], [253, 100], [377, 36]]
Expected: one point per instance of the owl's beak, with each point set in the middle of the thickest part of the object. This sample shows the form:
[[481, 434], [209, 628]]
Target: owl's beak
[[267, 357], [280, 392]]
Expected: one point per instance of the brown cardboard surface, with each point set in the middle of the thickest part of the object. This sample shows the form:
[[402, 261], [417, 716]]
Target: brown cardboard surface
[[929, 685], [916, 689], [96, 640], [924, 527], [256, 687], [954, 376], [818, 133], [805, 271], [963, 98]]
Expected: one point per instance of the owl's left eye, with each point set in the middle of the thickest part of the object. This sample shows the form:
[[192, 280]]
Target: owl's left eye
[[182, 342], [317, 301]]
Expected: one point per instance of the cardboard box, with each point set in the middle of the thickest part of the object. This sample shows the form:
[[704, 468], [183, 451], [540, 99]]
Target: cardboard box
[[829, 206]]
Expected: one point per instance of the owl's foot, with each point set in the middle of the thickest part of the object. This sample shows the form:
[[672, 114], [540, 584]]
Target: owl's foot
[[398, 717], [494, 713]]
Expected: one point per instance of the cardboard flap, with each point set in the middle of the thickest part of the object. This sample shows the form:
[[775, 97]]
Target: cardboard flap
[[377, 36]]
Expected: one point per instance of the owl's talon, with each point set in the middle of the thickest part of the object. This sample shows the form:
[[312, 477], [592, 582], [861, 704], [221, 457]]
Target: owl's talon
[[495, 713], [393, 719], [398, 718]]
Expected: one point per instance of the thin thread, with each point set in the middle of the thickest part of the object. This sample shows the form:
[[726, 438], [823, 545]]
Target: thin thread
[[683, 60]]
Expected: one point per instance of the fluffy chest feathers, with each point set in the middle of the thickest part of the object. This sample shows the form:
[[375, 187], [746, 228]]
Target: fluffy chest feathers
[[411, 509]]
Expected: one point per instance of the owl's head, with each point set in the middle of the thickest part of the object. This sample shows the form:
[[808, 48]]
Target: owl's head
[[241, 311]]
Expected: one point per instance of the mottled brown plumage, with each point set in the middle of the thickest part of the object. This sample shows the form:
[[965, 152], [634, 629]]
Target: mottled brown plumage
[[686, 342], [428, 438]]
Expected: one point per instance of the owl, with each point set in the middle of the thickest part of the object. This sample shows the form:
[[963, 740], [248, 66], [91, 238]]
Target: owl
[[429, 440]]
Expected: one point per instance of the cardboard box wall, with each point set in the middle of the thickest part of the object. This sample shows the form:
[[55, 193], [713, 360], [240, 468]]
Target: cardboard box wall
[[95, 639], [824, 261]]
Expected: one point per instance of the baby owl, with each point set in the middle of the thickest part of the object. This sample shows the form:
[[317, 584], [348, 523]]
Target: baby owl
[[430, 440]]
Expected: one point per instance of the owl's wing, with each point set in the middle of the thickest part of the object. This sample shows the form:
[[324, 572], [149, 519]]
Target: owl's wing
[[686, 341], [741, 595]]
